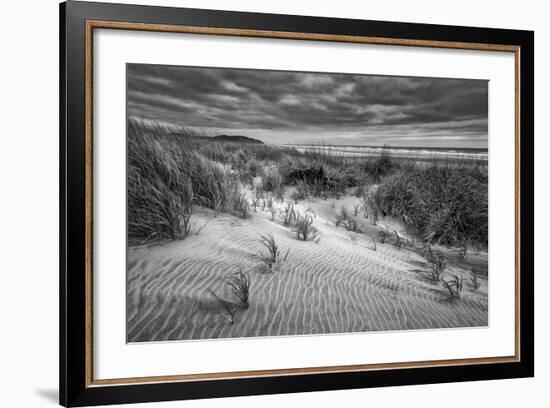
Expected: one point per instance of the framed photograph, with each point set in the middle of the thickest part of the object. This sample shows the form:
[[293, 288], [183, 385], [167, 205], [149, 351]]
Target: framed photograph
[[256, 203]]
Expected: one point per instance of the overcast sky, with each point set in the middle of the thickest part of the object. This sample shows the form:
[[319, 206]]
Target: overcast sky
[[295, 107]]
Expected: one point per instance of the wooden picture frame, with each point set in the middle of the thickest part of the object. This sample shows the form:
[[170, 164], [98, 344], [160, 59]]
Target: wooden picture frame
[[78, 20]]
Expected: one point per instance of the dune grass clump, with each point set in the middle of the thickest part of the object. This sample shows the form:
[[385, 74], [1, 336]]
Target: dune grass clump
[[447, 205], [160, 195], [370, 207], [229, 307], [319, 189], [279, 194], [167, 176], [380, 166], [436, 258], [453, 287], [361, 188], [434, 273], [271, 179], [436, 263], [257, 199], [289, 215], [341, 216], [305, 229], [398, 243], [239, 286], [382, 236], [207, 178], [274, 257], [474, 281], [199, 227], [350, 225], [373, 242], [463, 252], [255, 168], [268, 202], [302, 191], [345, 220], [239, 203]]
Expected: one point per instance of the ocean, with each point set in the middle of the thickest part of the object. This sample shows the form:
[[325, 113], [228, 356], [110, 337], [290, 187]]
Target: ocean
[[414, 153]]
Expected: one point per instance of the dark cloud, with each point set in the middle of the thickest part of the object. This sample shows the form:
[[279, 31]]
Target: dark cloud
[[295, 107]]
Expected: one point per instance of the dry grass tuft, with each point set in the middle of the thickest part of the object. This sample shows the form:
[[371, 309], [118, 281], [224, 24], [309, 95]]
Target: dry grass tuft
[[474, 281], [239, 285], [454, 287], [305, 230], [274, 258]]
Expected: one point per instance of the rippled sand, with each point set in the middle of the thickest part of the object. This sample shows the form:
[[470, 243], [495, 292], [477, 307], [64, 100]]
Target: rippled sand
[[340, 284]]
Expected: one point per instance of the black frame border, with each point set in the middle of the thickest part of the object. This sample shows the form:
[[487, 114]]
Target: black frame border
[[72, 126]]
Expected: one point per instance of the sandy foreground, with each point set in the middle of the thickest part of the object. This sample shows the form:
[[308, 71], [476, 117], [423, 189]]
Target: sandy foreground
[[343, 283]]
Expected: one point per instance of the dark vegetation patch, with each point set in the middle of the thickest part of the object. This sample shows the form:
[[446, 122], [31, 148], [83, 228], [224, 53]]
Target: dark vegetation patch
[[447, 205]]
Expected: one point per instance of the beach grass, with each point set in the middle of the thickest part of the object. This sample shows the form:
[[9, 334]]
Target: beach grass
[[169, 177]]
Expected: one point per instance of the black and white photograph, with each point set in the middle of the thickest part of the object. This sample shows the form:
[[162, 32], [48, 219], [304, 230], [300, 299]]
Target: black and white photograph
[[282, 203]]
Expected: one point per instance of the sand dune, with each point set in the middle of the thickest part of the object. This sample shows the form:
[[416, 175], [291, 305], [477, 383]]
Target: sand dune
[[340, 284]]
